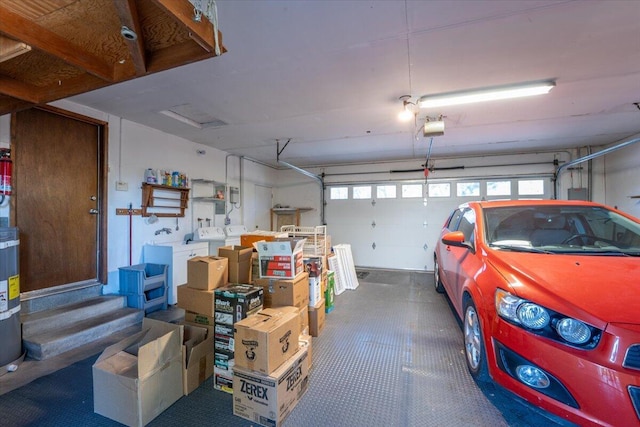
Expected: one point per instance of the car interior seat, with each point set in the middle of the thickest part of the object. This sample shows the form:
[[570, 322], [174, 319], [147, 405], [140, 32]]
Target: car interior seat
[[551, 230]]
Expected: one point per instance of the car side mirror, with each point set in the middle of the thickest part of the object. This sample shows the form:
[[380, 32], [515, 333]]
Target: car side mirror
[[455, 238]]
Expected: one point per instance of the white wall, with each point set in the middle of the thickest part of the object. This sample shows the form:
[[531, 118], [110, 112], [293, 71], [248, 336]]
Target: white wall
[[619, 172]]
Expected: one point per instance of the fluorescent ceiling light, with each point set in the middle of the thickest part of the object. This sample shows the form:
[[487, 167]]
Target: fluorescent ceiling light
[[486, 94], [190, 115]]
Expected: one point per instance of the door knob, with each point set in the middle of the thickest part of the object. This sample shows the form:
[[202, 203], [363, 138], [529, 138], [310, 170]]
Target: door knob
[[93, 211]]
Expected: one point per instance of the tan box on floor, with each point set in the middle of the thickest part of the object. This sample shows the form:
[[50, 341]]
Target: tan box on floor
[[285, 292], [196, 300], [239, 262], [207, 272], [316, 319], [267, 339], [136, 379], [197, 356], [269, 399]]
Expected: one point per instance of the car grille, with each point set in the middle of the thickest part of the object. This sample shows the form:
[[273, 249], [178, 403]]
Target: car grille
[[632, 358]]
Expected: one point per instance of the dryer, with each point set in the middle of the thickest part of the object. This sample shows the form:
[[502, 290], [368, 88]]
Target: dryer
[[214, 235]]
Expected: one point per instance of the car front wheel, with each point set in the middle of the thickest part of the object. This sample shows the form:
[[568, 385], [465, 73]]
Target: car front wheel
[[436, 276], [474, 350]]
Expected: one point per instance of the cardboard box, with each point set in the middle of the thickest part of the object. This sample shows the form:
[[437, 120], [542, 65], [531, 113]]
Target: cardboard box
[[305, 341], [267, 339], [281, 258], [197, 357], [198, 318], [316, 319], [285, 292], [196, 300], [239, 262], [255, 236], [303, 314], [136, 379], [235, 302], [207, 272], [313, 266], [224, 360], [329, 293], [268, 400], [315, 290], [223, 380]]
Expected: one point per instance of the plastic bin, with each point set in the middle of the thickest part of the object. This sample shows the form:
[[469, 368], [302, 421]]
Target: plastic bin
[[145, 286]]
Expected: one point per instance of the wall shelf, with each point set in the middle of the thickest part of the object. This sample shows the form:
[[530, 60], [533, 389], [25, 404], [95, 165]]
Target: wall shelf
[[287, 216], [164, 200], [216, 194]]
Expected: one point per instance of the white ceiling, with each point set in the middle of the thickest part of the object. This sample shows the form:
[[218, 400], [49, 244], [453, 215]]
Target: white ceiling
[[328, 76]]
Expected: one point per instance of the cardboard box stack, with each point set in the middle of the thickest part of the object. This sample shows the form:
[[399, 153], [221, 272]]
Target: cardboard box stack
[[239, 262], [317, 280], [204, 275], [233, 303], [271, 371]]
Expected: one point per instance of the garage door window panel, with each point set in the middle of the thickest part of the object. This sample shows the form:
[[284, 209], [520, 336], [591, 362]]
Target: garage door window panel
[[339, 193], [468, 189], [441, 189], [362, 192]]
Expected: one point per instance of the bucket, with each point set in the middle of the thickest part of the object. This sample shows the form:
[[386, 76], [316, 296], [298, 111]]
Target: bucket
[[10, 327]]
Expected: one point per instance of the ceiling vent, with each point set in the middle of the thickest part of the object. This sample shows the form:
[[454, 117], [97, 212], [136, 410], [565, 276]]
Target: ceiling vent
[[187, 114]]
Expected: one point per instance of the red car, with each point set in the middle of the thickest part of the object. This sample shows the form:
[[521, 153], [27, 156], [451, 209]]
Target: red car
[[549, 297]]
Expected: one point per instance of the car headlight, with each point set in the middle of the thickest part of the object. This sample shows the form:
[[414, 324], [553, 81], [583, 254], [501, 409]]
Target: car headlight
[[573, 331], [521, 311], [544, 322], [533, 316], [507, 305]]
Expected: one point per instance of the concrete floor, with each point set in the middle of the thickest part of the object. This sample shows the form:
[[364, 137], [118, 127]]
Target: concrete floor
[[390, 354]]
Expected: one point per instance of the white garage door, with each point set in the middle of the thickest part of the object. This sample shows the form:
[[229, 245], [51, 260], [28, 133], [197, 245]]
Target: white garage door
[[395, 225]]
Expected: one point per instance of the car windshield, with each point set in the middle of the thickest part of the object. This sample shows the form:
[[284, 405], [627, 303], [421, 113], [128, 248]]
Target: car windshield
[[562, 229]]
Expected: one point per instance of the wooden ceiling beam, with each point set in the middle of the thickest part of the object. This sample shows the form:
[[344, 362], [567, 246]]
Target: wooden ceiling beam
[[19, 90], [201, 32], [176, 56], [72, 86], [128, 13], [19, 28]]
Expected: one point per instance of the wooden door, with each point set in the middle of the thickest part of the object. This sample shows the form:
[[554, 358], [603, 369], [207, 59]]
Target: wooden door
[[59, 167]]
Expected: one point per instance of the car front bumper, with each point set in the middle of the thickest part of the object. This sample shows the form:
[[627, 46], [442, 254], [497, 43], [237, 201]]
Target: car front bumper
[[587, 387]]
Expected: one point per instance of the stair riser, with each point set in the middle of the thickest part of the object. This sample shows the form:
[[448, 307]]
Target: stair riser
[[48, 302], [45, 350], [60, 320]]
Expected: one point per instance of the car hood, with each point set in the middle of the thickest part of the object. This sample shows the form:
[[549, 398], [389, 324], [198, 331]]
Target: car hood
[[606, 288]]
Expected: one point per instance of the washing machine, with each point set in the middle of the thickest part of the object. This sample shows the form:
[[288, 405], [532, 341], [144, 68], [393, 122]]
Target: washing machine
[[233, 233], [214, 235]]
